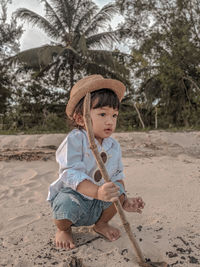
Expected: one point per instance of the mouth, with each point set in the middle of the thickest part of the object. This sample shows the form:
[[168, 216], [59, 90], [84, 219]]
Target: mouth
[[108, 130]]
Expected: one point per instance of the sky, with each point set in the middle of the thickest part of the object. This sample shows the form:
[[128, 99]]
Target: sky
[[33, 36]]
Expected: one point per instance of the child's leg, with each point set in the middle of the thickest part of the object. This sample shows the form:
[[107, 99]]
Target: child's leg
[[67, 210], [63, 238], [102, 226]]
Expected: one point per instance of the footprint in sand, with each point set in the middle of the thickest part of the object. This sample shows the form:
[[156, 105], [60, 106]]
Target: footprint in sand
[[21, 176], [20, 221]]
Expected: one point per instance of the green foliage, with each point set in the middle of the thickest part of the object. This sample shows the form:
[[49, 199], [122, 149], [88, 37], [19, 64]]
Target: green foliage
[[166, 44], [162, 72], [5, 92], [38, 106], [9, 43], [9, 32]]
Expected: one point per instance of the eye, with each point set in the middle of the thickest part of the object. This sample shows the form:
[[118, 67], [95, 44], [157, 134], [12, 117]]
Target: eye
[[115, 115], [103, 114]]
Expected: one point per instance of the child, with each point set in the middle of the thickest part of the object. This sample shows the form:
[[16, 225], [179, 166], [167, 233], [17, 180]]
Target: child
[[80, 196]]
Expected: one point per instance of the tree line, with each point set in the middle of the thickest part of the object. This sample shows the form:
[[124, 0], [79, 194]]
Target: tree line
[[161, 69]]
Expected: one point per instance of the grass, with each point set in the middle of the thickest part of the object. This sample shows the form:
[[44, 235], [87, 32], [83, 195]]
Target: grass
[[30, 131], [65, 131]]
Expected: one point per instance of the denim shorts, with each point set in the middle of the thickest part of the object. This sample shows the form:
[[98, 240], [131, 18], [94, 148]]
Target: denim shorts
[[71, 205]]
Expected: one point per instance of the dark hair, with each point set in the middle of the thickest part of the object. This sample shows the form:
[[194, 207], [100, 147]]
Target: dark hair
[[103, 97]]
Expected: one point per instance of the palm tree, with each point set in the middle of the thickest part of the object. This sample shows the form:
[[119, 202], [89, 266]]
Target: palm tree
[[76, 29]]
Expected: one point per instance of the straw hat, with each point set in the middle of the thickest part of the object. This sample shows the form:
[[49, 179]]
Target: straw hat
[[89, 84]]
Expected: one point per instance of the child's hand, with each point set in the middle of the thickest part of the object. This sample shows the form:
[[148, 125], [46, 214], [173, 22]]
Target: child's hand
[[108, 192], [134, 204]]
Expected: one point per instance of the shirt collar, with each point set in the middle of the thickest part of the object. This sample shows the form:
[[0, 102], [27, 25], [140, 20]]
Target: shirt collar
[[106, 144]]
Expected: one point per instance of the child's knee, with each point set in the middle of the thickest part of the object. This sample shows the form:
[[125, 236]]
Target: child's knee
[[66, 206]]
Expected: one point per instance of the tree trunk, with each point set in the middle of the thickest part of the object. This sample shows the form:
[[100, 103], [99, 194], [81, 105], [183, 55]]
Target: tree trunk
[[71, 68], [140, 118], [156, 117]]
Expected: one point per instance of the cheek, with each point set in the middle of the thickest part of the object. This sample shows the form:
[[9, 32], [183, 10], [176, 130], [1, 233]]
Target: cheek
[[115, 121]]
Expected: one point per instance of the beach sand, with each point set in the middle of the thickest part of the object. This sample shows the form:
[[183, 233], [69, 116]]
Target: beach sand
[[162, 167]]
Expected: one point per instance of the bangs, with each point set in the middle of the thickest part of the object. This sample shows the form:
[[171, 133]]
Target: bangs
[[100, 98], [104, 97]]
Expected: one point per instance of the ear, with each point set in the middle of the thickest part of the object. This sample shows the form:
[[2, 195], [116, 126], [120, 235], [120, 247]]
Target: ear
[[79, 119]]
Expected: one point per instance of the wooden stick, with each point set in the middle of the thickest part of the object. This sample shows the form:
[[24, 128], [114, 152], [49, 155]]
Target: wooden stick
[[93, 146]]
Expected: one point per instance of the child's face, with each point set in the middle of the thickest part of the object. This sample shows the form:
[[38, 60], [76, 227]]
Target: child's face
[[104, 122]]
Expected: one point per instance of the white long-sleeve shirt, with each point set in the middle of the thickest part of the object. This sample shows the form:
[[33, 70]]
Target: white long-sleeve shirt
[[77, 162]]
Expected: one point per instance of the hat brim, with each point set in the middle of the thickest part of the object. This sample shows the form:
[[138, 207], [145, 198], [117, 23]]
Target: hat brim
[[114, 85]]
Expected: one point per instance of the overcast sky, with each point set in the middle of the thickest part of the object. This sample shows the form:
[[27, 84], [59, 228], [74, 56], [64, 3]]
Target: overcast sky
[[33, 36]]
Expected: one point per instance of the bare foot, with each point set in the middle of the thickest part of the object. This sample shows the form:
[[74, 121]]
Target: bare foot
[[109, 232], [64, 239]]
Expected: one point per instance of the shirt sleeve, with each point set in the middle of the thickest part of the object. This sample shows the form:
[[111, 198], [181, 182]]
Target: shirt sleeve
[[119, 174], [70, 158]]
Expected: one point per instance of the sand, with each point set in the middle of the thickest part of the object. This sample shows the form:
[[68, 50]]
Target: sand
[[162, 167]]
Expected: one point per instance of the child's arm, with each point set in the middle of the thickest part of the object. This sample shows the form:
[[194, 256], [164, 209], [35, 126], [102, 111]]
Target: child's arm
[[132, 204], [106, 192]]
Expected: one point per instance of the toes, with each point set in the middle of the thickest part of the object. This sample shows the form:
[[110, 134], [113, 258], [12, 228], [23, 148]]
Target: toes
[[61, 244], [72, 245], [110, 236], [108, 232], [115, 235], [65, 245], [64, 240]]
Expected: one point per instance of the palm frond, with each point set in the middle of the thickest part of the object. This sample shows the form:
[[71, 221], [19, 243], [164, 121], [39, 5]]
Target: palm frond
[[105, 58], [107, 12], [35, 19], [83, 21], [76, 25], [65, 10], [71, 50], [93, 68], [101, 19], [51, 15], [37, 58], [103, 38]]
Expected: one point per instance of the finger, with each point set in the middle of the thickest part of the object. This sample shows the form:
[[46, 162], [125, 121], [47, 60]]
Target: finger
[[133, 204], [139, 211], [114, 194], [141, 205], [113, 199], [111, 184], [139, 199], [112, 190], [133, 201]]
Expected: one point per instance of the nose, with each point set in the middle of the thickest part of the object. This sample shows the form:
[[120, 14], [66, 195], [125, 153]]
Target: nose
[[109, 120]]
